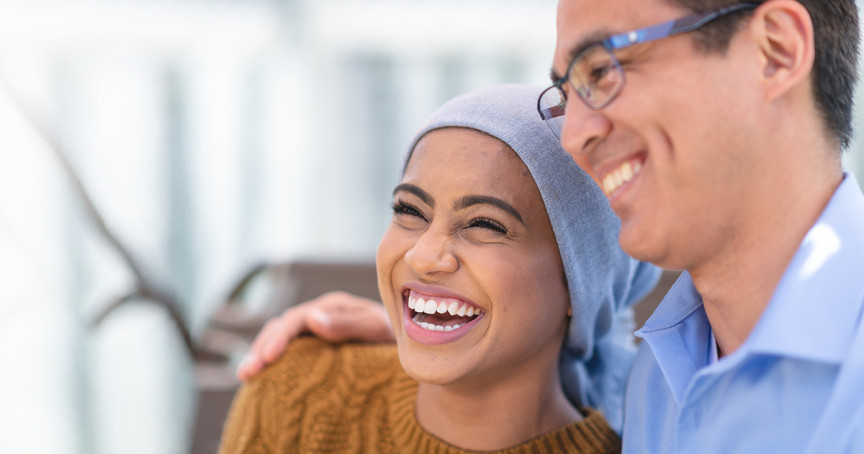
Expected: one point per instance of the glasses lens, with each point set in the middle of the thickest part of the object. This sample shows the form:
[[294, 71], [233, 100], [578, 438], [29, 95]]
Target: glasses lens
[[551, 106], [596, 75]]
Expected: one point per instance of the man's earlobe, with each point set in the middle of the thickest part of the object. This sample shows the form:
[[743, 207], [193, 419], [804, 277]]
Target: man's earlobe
[[785, 34]]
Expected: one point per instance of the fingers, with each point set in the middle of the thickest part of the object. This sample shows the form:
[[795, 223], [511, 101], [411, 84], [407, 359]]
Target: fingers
[[334, 316], [249, 367], [272, 341], [353, 318], [320, 323], [252, 362], [287, 327]]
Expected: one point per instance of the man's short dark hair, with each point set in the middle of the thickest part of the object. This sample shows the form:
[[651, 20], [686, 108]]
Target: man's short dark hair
[[836, 36]]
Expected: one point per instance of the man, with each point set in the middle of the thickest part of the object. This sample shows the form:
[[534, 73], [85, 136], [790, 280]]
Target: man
[[717, 137], [719, 148]]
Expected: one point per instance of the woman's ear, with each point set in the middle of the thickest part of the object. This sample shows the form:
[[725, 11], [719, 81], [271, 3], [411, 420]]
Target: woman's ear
[[783, 31]]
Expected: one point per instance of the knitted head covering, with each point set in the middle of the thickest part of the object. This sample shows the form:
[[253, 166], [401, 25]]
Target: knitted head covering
[[602, 280]]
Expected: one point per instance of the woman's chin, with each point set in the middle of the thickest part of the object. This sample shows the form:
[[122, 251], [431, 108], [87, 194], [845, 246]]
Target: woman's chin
[[429, 368]]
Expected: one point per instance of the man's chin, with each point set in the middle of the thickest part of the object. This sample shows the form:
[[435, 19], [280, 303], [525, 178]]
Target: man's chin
[[639, 245]]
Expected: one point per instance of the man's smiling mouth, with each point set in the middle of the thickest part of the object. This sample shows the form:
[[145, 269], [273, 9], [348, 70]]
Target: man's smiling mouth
[[620, 175], [439, 313]]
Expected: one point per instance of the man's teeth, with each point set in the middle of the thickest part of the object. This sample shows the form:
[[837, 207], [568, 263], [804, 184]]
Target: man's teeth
[[614, 179], [430, 306]]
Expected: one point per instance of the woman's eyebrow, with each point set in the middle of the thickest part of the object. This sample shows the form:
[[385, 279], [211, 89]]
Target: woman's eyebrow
[[470, 200], [421, 194]]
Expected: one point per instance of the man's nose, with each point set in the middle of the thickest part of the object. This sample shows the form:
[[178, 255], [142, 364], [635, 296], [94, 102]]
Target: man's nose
[[432, 253], [583, 128]]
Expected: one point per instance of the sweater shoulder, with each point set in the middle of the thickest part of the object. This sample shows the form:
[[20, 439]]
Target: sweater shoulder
[[319, 397], [309, 361]]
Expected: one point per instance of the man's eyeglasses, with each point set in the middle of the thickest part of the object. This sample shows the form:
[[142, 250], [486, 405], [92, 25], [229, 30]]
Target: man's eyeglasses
[[596, 75]]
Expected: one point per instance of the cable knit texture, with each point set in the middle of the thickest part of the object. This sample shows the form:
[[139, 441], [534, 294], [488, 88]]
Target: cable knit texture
[[355, 398]]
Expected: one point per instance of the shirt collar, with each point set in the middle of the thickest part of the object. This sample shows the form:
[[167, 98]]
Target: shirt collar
[[679, 335], [678, 303], [818, 303]]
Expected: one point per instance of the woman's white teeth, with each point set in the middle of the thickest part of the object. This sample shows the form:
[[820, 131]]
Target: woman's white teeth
[[430, 306], [432, 327], [614, 179]]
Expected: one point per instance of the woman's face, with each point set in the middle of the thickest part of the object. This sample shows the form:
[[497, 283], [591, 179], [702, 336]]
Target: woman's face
[[469, 269]]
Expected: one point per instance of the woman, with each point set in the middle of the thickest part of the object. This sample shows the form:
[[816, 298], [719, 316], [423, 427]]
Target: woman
[[501, 274]]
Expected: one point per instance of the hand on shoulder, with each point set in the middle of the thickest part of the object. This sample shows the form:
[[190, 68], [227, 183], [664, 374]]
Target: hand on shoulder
[[333, 316]]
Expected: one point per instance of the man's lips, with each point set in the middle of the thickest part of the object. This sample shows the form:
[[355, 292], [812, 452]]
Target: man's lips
[[621, 174]]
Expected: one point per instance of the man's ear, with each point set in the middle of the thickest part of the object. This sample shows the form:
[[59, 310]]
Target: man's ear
[[784, 33]]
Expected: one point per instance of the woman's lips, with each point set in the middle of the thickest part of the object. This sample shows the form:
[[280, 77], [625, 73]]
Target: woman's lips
[[436, 319]]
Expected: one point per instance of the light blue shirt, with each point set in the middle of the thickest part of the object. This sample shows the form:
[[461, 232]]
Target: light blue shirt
[[797, 382]]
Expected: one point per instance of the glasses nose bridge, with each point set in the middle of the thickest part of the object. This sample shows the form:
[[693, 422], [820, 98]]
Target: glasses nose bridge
[[433, 252]]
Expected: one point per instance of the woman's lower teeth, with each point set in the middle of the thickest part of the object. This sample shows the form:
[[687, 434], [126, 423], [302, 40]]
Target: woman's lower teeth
[[433, 327]]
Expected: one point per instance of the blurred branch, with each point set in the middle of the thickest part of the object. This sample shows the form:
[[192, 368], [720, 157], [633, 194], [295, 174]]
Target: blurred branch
[[143, 286]]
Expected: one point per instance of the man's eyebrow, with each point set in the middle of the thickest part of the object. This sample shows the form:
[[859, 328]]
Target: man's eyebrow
[[421, 194], [471, 200], [595, 37]]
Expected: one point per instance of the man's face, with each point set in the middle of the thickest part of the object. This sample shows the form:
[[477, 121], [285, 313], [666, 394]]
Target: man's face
[[671, 151]]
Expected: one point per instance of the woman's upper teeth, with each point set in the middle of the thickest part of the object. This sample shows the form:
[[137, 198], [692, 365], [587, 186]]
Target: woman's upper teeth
[[441, 305]]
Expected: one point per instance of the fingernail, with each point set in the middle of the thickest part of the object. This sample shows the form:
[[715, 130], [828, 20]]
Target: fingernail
[[321, 318], [243, 361]]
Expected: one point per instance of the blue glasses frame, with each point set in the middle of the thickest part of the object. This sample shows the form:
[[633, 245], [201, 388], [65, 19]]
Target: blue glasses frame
[[550, 110]]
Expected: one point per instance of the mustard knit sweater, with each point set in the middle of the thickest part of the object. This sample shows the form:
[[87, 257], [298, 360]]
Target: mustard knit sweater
[[355, 398]]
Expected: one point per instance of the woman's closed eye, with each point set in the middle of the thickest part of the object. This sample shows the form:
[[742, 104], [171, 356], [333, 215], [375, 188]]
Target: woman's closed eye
[[410, 216], [407, 213], [487, 224]]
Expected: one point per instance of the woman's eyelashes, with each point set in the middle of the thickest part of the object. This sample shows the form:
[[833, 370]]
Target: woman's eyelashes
[[488, 224], [402, 208], [409, 215]]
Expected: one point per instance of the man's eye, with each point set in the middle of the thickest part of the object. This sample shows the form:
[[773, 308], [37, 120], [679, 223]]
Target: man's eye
[[599, 73]]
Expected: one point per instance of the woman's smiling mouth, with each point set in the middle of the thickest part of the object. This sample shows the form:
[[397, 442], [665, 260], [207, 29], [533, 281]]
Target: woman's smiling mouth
[[434, 319]]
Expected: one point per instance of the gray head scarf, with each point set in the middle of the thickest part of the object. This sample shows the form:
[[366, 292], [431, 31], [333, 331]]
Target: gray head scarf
[[602, 280]]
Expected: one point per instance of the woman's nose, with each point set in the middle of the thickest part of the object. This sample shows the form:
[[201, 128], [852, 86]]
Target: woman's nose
[[432, 253]]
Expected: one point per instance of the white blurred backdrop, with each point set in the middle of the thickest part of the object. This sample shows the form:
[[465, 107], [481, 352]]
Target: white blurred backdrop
[[210, 136]]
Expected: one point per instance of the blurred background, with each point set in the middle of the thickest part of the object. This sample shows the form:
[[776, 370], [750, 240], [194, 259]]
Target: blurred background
[[154, 154]]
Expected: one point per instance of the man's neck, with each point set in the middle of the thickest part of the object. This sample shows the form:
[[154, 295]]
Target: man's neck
[[736, 285]]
